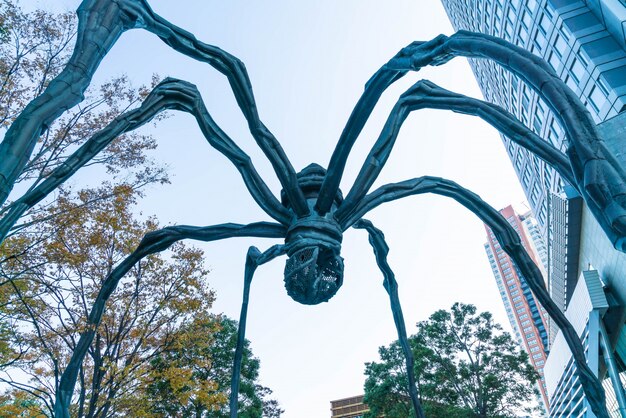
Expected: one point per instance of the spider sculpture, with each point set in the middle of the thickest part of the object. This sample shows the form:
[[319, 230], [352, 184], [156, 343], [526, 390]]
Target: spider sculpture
[[312, 214]]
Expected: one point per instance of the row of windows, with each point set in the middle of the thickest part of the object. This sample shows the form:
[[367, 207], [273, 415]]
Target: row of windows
[[597, 98]]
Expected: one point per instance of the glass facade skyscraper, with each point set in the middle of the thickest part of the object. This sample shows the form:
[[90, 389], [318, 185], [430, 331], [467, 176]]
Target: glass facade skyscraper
[[585, 43]]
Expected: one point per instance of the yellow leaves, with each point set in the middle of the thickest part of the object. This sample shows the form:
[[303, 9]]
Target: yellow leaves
[[185, 388], [17, 404], [178, 379], [40, 371], [81, 239], [207, 396]]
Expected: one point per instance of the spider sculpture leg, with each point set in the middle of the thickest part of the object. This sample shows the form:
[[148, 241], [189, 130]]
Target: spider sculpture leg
[[101, 23], [253, 260], [381, 249], [425, 94], [169, 94], [598, 176], [152, 243], [512, 245]]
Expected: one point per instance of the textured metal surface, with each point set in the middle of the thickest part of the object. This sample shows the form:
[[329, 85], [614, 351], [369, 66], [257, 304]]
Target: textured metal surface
[[313, 275], [381, 249], [312, 214]]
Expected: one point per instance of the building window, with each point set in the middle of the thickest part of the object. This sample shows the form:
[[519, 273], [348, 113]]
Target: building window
[[578, 70], [560, 44], [526, 20], [522, 36], [538, 118], [526, 178], [545, 25], [525, 98], [540, 41], [508, 30], [542, 213], [597, 98], [519, 160], [571, 82], [554, 60], [534, 195]]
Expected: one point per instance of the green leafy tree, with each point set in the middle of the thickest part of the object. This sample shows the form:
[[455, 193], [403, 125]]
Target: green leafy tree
[[466, 366], [192, 378]]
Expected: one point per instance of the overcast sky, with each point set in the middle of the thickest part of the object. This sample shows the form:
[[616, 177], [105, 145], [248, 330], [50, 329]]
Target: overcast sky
[[308, 62]]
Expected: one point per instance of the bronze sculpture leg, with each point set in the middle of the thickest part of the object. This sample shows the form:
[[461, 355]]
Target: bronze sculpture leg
[[511, 244], [153, 242], [254, 259], [381, 249]]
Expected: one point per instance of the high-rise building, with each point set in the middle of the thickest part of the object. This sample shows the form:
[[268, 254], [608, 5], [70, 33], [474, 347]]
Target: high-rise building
[[585, 43], [527, 317], [591, 311]]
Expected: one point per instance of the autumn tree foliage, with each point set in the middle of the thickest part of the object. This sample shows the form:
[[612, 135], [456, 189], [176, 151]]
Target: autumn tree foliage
[[157, 343], [34, 47], [466, 366], [186, 377], [63, 261], [157, 351]]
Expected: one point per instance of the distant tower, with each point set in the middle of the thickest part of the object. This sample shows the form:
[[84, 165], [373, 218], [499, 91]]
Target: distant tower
[[528, 319]]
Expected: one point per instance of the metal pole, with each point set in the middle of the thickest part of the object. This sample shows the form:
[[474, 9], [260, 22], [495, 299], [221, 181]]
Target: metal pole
[[609, 360]]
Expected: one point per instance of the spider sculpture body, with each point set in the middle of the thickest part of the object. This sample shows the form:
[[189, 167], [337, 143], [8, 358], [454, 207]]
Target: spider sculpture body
[[314, 269], [312, 214]]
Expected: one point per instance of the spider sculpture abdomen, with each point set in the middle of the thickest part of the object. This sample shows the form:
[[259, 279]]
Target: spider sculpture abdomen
[[314, 269]]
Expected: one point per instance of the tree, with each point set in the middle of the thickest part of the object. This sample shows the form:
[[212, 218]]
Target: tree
[[466, 366], [34, 48], [157, 352], [53, 262], [386, 388], [56, 267], [198, 369]]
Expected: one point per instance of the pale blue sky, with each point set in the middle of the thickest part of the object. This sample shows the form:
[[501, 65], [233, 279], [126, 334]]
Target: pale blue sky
[[308, 62]]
